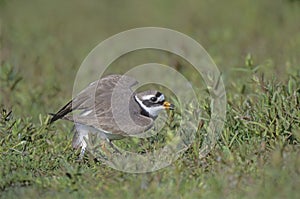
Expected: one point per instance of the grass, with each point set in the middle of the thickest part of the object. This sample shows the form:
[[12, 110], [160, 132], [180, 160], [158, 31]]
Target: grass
[[256, 156]]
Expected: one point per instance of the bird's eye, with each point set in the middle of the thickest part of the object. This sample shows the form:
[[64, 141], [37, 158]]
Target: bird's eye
[[153, 99]]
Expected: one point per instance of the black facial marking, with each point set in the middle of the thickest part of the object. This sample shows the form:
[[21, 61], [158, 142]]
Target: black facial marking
[[161, 103], [145, 113], [158, 94], [147, 103]]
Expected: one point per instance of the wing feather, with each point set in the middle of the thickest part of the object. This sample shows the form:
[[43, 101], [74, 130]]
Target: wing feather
[[95, 106]]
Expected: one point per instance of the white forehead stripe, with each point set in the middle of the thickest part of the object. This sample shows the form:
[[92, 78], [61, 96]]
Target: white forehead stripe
[[147, 97], [159, 99]]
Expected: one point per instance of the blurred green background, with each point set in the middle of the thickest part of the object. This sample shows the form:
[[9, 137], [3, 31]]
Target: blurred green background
[[42, 44]]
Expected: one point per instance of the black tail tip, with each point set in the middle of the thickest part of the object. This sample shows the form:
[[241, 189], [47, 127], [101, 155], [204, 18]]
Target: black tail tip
[[53, 119]]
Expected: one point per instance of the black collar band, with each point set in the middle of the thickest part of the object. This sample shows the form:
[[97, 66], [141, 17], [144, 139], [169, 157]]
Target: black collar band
[[143, 111]]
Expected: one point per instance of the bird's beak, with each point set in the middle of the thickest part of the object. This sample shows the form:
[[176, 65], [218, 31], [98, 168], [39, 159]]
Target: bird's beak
[[168, 105]]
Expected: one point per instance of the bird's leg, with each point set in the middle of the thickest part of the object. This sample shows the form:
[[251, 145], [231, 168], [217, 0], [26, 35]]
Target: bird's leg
[[83, 145], [82, 153], [80, 139], [102, 145]]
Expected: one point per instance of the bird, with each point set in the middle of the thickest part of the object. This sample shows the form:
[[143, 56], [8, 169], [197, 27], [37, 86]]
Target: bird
[[110, 108]]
